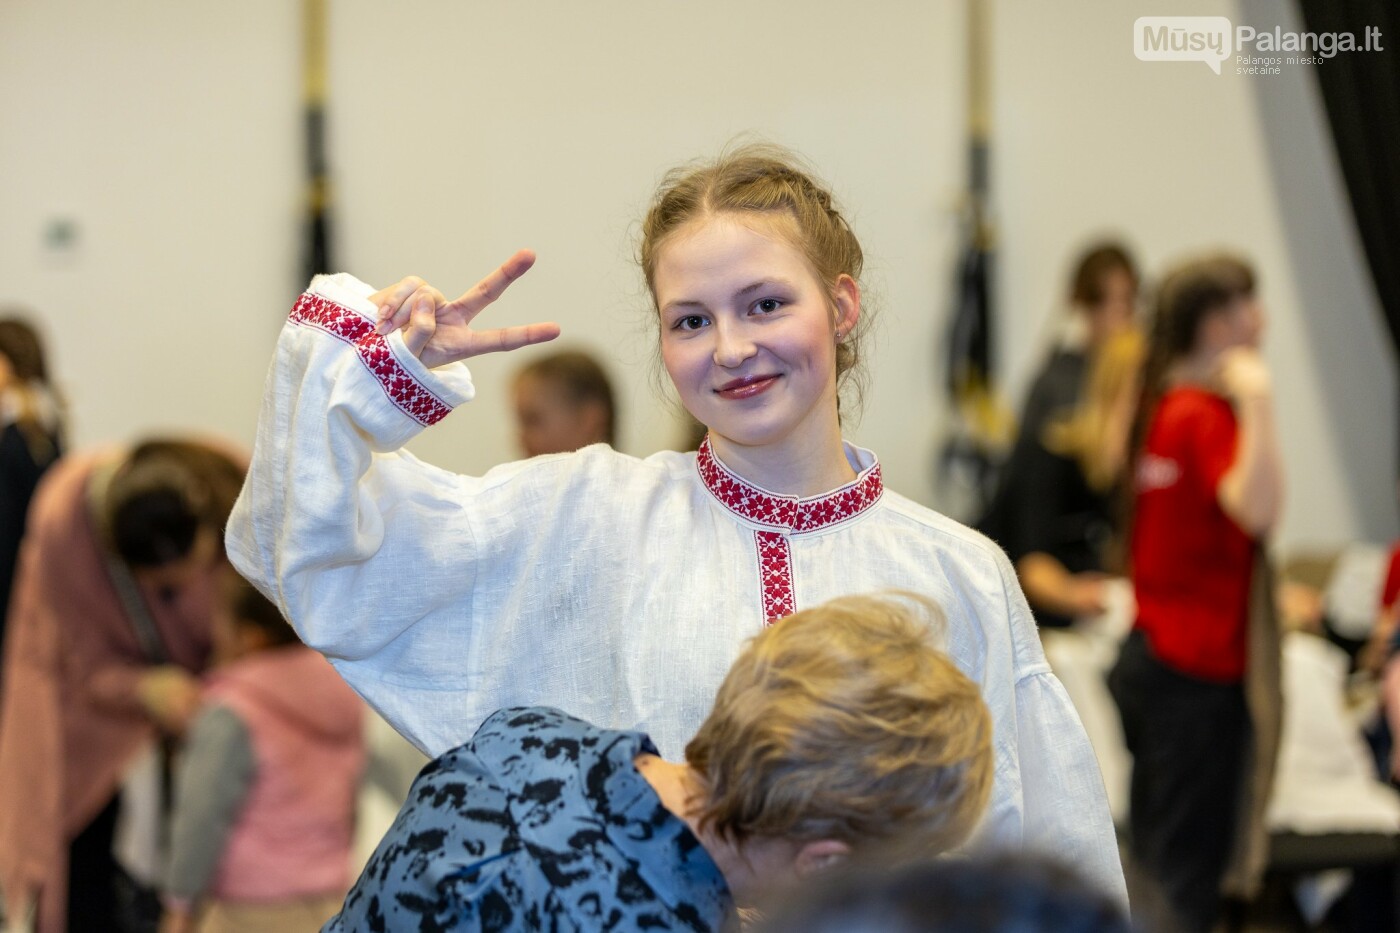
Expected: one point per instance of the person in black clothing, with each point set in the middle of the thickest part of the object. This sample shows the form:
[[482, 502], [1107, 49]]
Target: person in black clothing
[[31, 438], [1010, 891], [1055, 521]]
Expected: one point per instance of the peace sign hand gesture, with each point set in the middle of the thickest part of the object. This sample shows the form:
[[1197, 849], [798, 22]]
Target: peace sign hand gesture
[[438, 331]]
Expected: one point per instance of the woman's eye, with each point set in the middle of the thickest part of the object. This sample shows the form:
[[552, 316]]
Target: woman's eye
[[768, 305], [690, 322]]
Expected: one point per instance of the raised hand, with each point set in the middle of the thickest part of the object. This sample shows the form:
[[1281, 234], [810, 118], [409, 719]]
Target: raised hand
[[1243, 374], [438, 331], [170, 695]]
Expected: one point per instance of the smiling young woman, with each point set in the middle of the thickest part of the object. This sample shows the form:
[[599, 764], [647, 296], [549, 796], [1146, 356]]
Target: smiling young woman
[[621, 589], [748, 337]]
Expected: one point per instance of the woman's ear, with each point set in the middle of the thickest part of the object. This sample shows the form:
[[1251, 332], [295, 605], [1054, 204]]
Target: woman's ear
[[819, 855], [845, 298]]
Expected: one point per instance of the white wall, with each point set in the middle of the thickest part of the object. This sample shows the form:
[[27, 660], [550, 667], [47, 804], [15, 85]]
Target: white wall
[[170, 133], [175, 153], [1178, 159]]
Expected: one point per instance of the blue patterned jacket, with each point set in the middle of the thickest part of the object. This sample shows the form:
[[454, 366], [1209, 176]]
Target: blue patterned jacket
[[540, 822]]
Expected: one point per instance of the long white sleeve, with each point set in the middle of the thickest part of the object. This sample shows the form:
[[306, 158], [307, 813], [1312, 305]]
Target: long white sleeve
[[1066, 814], [309, 529], [375, 556], [1049, 797]]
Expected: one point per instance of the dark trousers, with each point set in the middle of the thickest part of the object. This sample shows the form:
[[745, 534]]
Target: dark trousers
[[93, 873], [102, 897], [1189, 739]]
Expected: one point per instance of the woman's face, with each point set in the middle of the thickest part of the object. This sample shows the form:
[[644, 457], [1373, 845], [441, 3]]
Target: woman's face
[[749, 332], [1114, 311], [1239, 324], [1246, 319]]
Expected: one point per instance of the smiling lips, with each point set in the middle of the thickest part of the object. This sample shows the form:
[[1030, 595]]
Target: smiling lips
[[746, 387]]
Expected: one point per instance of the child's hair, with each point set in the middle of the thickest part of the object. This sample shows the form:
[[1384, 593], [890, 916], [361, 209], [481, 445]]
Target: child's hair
[[761, 179], [583, 380], [251, 608], [163, 494], [1087, 286], [845, 722]]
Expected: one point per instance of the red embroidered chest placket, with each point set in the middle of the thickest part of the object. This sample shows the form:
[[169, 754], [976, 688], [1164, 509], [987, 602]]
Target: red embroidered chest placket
[[781, 517]]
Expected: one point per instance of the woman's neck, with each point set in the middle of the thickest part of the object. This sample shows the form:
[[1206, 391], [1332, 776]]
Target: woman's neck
[[811, 471], [1196, 370]]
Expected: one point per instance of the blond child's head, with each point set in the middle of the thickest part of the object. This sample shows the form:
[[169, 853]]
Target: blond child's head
[[845, 722]]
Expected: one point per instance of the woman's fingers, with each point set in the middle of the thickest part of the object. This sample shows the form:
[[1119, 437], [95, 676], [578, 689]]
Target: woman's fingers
[[512, 338], [391, 300], [490, 341], [438, 331], [399, 316], [396, 303], [422, 321], [490, 288]]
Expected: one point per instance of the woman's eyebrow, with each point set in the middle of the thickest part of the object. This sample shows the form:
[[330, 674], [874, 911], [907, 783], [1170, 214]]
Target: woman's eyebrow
[[744, 292], [760, 285], [683, 303]]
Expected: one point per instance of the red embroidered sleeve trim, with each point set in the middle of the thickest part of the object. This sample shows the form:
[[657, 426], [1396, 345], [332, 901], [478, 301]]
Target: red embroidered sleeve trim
[[795, 515], [408, 394]]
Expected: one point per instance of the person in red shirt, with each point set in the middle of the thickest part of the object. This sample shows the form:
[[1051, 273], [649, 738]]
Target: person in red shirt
[[1207, 489]]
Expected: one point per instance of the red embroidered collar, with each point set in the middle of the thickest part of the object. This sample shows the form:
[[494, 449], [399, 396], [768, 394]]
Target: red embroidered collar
[[796, 515]]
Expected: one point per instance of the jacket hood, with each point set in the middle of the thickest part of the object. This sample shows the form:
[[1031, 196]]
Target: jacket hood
[[296, 684]]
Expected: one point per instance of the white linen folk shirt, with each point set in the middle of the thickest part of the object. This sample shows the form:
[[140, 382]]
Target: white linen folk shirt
[[617, 589]]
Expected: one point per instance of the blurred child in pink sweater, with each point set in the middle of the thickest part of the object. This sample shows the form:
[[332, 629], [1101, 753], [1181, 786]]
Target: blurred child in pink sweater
[[265, 792]]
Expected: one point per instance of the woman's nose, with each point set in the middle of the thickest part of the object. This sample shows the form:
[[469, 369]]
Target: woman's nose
[[733, 344]]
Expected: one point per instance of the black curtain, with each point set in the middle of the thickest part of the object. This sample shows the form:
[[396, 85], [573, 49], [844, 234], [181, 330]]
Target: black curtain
[[1362, 94]]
